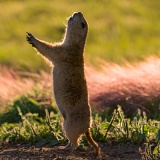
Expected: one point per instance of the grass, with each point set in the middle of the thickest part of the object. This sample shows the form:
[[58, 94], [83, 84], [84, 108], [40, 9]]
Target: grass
[[33, 118], [32, 121], [14, 83], [132, 87], [118, 30]]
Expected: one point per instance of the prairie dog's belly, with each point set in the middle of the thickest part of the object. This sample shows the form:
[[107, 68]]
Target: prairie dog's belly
[[70, 89]]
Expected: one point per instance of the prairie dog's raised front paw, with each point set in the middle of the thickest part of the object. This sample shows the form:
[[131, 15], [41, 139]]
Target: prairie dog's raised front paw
[[30, 38]]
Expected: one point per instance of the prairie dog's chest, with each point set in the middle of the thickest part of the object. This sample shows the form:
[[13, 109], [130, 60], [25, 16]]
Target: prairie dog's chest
[[70, 88], [61, 75], [67, 79], [63, 79]]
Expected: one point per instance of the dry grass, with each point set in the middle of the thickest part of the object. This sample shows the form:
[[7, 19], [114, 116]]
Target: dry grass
[[15, 83], [133, 86]]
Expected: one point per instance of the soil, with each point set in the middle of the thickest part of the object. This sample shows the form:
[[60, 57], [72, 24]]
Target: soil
[[117, 151]]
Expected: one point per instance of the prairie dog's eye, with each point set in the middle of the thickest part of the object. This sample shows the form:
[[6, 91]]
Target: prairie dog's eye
[[83, 25]]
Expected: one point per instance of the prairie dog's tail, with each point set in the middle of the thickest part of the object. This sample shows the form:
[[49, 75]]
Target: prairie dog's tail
[[92, 142]]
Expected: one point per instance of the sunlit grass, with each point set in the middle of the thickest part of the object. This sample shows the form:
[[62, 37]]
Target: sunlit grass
[[118, 30], [16, 83], [131, 86]]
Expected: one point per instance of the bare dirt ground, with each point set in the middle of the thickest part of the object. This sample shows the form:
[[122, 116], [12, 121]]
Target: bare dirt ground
[[119, 151]]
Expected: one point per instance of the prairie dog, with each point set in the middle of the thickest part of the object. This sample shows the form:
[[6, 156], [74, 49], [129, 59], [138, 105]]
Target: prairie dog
[[69, 83]]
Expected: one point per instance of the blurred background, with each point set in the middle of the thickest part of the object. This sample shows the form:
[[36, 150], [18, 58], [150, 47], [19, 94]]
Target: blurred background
[[119, 31]]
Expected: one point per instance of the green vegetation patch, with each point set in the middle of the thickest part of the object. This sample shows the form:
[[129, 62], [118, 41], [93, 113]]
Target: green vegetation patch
[[40, 124]]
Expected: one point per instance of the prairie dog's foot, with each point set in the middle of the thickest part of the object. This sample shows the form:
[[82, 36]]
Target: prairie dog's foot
[[30, 38], [69, 147], [65, 147]]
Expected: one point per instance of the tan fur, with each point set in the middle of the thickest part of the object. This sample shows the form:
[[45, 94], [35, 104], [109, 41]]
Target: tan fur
[[69, 83]]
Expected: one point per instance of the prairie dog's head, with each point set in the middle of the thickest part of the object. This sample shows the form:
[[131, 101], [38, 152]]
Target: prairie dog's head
[[76, 30]]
